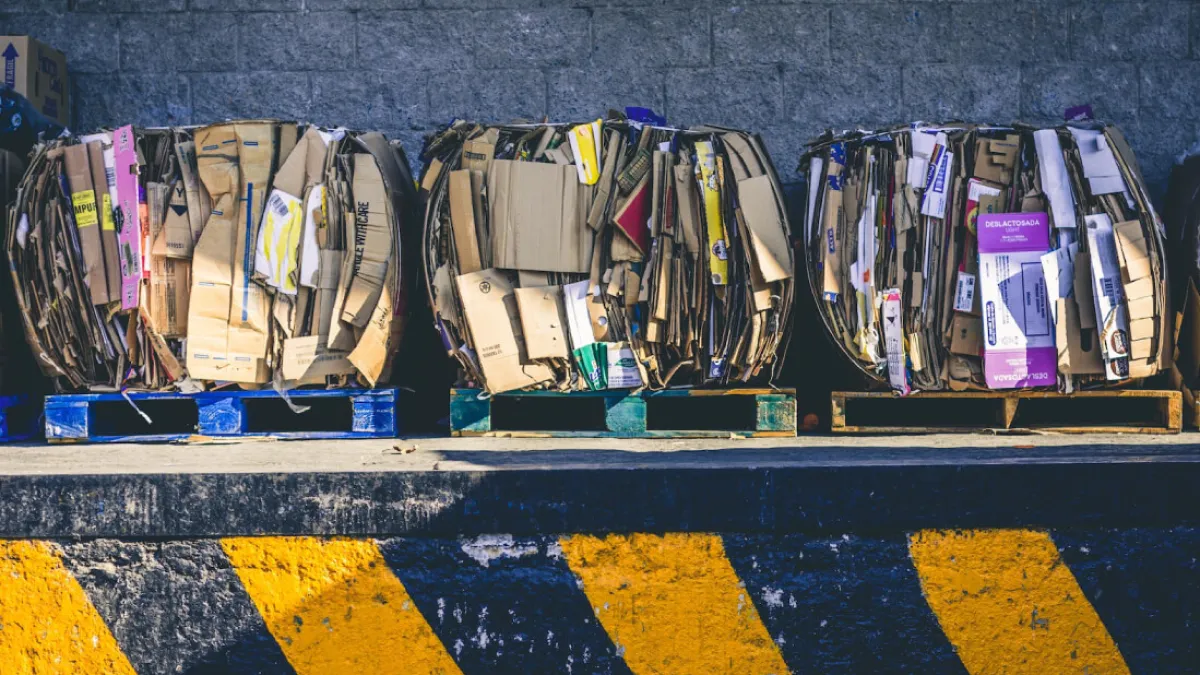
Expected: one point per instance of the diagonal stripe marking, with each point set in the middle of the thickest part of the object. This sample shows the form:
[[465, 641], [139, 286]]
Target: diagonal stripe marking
[[47, 623], [335, 607], [1009, 605], [673, 604]]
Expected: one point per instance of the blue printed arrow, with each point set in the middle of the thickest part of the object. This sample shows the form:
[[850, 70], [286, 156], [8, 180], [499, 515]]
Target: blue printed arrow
[[10, 65]]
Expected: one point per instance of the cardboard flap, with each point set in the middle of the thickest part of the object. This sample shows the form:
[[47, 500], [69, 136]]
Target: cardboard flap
[[542, 322], [490, 306], [537, 218], [462, 220], [760, 208]]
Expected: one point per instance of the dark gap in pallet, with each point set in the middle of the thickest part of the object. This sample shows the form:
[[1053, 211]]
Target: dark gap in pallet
[[548, 413], [22, 419], [1090, 412], [923, 412], [702, 413], [272, 415], [118, 418]]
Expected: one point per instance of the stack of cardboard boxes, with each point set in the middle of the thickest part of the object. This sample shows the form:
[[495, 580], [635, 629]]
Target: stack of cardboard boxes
[[252, 252], [616, 253], [969, 257]]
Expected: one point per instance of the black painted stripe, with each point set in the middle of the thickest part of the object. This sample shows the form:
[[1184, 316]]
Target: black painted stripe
[[1145, 585], [176, 607], [844, 604], [501, 605]]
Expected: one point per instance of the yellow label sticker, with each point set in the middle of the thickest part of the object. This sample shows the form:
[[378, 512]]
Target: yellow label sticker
[[106, 215], [84, 203]]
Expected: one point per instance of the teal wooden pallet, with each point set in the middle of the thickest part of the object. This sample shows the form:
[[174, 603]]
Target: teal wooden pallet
[[619, 413]]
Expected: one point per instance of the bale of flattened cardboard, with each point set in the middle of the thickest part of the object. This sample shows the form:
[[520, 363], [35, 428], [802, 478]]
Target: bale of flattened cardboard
[[607, 254], [984, 257], [253, 252]]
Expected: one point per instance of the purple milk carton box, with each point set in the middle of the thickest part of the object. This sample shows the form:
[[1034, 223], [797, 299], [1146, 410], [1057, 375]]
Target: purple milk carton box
[[1018, 331]]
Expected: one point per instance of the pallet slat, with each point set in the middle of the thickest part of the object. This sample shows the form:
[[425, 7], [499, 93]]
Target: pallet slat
[[108, 417], [1084, 412], [620, 413]]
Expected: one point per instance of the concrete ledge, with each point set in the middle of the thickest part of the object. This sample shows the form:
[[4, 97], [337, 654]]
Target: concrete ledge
[[536, 488], [1053, 557]]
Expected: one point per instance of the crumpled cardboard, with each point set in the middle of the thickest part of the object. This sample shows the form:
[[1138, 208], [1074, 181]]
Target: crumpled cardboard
[[636, 255]]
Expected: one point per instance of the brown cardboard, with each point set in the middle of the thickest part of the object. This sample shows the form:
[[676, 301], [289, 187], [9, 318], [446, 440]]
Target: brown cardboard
[[199, 206], [431, 174], [490, 306], [538, 218], [966, 335], [996, 158], [170, 288], [772, 253], [372, 241], [462, 219], [39, 73], [228, 314], [542, 323], [305, 359], [178, 225], [108, 226], [87, 222]]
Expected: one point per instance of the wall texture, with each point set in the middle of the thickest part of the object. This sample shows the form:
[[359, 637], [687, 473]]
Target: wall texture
[[787, 70]]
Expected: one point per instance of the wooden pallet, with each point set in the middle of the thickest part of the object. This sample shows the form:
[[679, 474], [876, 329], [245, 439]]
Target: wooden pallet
[[1084, 412], [618, 413], [109, 418], [19, 417]]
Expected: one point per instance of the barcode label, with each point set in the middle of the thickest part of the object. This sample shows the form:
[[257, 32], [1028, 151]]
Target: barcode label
[[964, 294], [279, 206], [1110, 291]]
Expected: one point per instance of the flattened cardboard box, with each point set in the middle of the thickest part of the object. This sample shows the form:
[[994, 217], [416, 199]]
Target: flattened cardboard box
[[39, 73]]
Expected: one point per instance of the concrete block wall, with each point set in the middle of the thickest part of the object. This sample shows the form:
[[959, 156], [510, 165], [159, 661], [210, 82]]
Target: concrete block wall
[[787, 70]]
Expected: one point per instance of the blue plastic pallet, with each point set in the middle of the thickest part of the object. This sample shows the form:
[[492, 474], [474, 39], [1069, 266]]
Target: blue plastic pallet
[[18, 418], [108, 418]]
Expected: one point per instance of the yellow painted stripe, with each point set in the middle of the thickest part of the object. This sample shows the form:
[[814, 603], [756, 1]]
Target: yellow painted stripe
[[1008, 604], [335, 607], [47, 623], [673, 604]]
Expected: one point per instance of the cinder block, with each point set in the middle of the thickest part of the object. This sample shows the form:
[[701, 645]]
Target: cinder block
[[1026, 33], [142, 99], [487, 97], [361, 4], [88, 40], [218, 96], [1169, 90], [530, 38], [751, 35], [824, 97], [955, 91], [180, 43], [893, 34], [370, 100], [649, 38], [579, 94], [1124, 31], [309, 41], [130, 5], [1048, 90], [246, 5], [415, 40], [750, 98]]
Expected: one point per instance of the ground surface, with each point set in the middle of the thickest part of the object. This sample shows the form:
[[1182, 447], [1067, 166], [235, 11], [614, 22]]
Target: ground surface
[[485, 454]]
